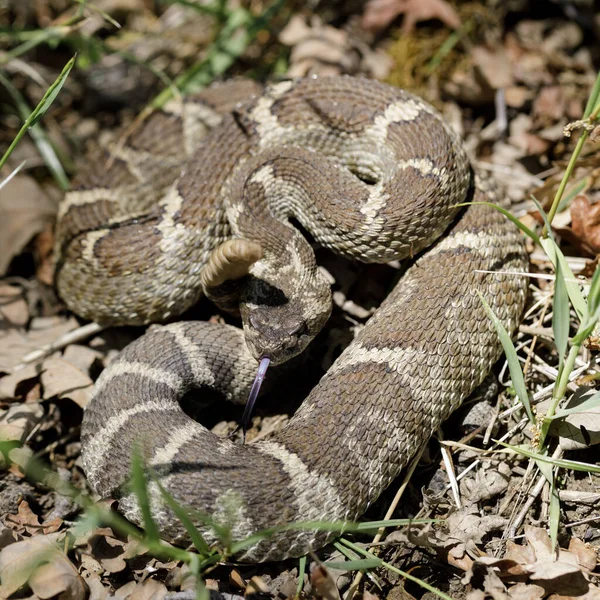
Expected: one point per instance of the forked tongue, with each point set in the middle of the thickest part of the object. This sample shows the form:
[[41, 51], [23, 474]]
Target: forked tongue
[[260, 376]]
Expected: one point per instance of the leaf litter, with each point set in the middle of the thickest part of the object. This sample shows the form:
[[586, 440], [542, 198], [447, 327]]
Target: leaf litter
[[509, 79]]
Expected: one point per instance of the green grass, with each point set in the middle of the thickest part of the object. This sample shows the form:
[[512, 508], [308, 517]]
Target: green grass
[[236, 29], [567, 295]]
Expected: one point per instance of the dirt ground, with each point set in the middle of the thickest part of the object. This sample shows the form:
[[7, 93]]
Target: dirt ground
[[509, 77]]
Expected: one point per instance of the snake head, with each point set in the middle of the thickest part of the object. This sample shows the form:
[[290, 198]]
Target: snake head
[[280, 327]]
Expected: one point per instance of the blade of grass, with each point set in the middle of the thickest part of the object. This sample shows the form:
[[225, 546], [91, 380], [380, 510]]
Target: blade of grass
[[560, 315], [528, 232], [333, 527], [182, 514], [204, 72], [301, 572], [31, 119], [579, 187], [12, 174], [557, 462], [589, 404], [571, 282], [139, 486], [360, 564], [404, 574], [516, 374]]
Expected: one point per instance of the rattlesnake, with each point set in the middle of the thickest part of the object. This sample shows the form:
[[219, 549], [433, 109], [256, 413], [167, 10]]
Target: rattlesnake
[[368, 170]]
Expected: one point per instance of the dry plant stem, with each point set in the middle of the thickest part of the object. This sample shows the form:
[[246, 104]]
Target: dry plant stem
[[563, 184], [537, 490], [591, 114], [349, 595], [488, 431], [583, 521], [449, 466], [77, 335]]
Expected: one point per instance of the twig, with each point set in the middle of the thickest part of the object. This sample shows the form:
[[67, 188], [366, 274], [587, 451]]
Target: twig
[[77, 335], [537, 490]]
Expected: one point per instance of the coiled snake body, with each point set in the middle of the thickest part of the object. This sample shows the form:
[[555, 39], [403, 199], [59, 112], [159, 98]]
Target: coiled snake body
[[368, 170]]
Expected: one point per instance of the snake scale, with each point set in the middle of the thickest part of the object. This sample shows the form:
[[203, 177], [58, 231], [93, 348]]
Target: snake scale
[[203, 198]]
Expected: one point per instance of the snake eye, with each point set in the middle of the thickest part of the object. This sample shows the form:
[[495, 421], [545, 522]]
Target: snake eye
[[298, 328]]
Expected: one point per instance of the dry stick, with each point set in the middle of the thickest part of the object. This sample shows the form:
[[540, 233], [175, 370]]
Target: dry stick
[[77, 335], [488, 431], [449, 466], [537, 490], [349, 595], [583, 521]]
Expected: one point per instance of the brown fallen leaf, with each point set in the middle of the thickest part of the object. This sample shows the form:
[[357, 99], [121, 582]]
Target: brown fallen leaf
[[322, 582], [13, 306], [549, 105], [149, 590], [17, 421], [379, 14], [535, 564], [39, 562], [526, 591], [26, 521], [321, 49], [43, 251], [19, 383], [586, 554], [494, 65], [26, 210], [585, 221], [58, 578], [61, 379], [15, 344]]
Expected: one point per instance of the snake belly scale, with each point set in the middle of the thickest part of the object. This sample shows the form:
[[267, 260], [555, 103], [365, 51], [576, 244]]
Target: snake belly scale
[[369, 171]]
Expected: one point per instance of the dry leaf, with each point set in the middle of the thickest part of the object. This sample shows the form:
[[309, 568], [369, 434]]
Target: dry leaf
[[322, 583], [149, 590], [13, 306], [17, 422], [526, 591], [11, 386], [560, 573], [325, 50], [585, 221], [15, 344], [549, 104], [58, 578], [81, 357], [61, 379], [26, 210], [237, 580], [20, 563], [26, 521], [586, 555], [494, 65], [380, 13]]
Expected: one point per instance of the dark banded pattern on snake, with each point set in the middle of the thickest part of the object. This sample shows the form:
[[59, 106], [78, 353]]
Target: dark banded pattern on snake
[[299, 149]]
